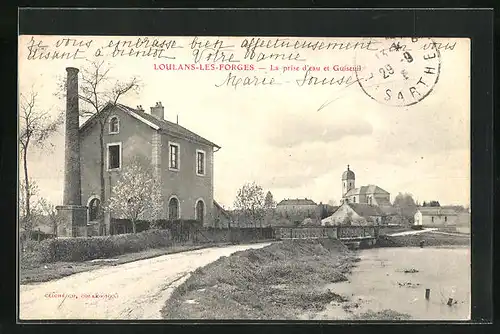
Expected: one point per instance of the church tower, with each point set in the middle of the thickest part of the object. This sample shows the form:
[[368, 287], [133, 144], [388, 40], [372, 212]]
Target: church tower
[[348, 179]]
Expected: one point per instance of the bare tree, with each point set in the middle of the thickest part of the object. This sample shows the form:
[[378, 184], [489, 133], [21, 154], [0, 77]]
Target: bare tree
[[49, 210], [136, 195], [35, 127], [250, 202], [97, 89], [27, 213]]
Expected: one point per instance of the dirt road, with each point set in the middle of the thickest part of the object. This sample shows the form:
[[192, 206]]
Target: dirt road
[[412, 232], [135, 290]]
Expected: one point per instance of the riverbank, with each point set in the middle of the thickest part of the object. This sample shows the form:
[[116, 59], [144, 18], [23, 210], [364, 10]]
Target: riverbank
[[398, 278], [425, 239], [277, 282]]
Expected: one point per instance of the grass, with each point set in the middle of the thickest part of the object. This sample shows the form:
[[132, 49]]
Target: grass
[[275, 282], [390, 230], [428, 238]]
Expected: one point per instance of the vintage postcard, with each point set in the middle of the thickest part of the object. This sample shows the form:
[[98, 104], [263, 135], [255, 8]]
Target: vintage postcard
[[271, 178]]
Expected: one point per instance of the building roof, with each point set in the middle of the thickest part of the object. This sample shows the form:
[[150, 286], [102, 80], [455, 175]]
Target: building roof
[[348, 174], [222, 210], [388, 209], [297, 201], [162, 125], [436, 211], [366, 210], [370, 189]]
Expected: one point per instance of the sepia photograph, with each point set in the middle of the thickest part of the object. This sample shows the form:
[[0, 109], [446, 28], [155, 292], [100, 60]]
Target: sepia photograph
[[244, 178]]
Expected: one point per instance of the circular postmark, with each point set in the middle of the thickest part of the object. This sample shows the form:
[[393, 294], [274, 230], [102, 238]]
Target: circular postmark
[[399, 71]]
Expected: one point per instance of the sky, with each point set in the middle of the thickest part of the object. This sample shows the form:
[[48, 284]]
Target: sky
[[294, 141]]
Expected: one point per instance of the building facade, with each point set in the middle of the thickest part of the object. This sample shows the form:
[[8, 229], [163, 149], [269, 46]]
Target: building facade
[[299, 206], [182, 162], [436, 217]]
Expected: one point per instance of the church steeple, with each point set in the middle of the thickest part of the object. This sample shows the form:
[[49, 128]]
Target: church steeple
[[348, 181]]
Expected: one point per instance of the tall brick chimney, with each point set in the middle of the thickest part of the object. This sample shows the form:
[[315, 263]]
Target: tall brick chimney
[[158, 111], [72, 215], [72, 178]]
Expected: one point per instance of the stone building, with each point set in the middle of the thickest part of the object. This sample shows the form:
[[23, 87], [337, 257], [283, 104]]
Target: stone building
[[182, 161], [298, 206], [436, 216]]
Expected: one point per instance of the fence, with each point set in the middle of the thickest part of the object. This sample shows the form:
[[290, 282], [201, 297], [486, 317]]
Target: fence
[[191, 231], [234, 235], [306, 232], [335, 232]]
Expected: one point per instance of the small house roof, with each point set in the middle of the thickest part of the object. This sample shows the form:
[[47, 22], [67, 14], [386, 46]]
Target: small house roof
[[436, 211], [388, 209], [221, 209]]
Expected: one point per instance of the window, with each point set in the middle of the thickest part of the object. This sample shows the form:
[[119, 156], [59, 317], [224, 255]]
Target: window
[[173, 208], [200, 162], [94, 209], [445, 218], [432, 219], [200, 209], [114, 156], [173, 156], [354, 199], [114, 125]]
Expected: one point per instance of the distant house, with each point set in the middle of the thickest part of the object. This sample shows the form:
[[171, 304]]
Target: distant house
[[435, 216], [355, 214], [326, 210], [297, 206], [463, 219]]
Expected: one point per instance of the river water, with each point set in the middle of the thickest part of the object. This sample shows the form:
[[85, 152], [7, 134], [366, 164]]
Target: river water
[[379, 282]]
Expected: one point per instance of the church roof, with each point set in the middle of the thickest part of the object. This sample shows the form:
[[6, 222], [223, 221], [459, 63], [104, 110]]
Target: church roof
[[348, 174], [366, 190], [297, 201]]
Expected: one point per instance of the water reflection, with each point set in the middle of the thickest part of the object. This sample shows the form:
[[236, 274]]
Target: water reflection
[[396, 279]]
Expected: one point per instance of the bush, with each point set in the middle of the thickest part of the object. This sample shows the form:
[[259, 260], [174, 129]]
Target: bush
[[89, 248]]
